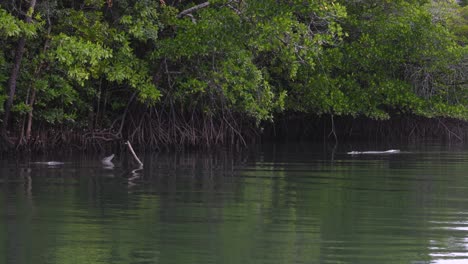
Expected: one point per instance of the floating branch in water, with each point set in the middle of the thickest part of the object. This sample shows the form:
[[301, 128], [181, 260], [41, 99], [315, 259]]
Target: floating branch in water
[[390, 151], [107, 162], [108, 159], [49, 163]]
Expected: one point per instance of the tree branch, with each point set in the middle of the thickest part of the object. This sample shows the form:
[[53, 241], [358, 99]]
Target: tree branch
[[193, 9], [133, 153]]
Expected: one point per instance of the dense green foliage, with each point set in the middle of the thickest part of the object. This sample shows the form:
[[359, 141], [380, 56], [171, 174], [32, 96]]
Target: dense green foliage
[[204, 71]]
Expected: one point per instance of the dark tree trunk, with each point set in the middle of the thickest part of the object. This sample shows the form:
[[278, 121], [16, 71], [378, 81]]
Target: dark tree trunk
[[5, 142], [12, 83], [14, 77]]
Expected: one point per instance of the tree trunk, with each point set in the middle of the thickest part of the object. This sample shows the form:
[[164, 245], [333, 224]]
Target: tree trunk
[[30, 115], [37, 73], [15, 73], [12, 82]]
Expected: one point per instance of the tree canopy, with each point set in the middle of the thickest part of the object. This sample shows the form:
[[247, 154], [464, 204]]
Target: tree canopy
[[193, 72]]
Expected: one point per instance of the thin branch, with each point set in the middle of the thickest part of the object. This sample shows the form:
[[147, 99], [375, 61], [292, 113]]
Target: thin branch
[[193, 9], [125, 114], [450, 132], [133, 153]]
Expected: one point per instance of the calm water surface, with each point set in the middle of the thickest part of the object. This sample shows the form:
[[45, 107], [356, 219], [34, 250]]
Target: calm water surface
[[275, 204]]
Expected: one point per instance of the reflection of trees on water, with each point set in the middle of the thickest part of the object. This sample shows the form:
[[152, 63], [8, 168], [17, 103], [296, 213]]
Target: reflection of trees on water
[[257, 207]]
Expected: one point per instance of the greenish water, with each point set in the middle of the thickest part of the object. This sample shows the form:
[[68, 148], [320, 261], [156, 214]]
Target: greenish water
[[277, 204]]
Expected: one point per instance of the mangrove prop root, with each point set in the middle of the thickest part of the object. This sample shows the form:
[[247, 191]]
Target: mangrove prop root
[[156, 128], [133, 153]]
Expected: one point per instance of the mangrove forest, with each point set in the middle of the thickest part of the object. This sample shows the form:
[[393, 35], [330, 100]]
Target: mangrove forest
[[204, 73]]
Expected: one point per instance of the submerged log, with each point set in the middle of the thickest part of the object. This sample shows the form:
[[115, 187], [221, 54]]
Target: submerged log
[[390, 151]]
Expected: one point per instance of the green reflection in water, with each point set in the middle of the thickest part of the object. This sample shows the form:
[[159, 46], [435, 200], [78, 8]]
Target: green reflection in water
[[282, 206]]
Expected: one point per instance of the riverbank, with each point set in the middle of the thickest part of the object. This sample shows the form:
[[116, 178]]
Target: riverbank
[[292, 127], [402, 128]]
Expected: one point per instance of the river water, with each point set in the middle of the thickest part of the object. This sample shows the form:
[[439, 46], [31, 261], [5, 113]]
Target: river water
[[289, 203]]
